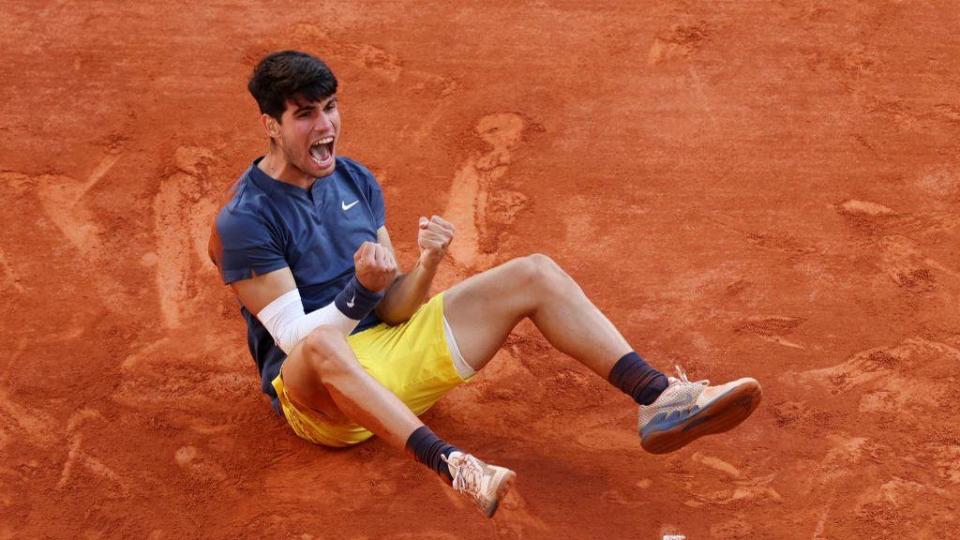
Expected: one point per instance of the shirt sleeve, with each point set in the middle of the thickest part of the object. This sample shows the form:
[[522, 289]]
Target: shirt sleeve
[[246, 245]]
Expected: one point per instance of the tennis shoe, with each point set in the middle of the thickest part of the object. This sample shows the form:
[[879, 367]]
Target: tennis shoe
[[686, 411], [486, 484]]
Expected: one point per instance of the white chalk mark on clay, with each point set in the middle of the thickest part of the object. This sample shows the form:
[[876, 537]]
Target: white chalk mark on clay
[[98, 173]]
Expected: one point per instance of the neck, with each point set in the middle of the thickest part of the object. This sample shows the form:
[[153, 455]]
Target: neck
[[282, 170]]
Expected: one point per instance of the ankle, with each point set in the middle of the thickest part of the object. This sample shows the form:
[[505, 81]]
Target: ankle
[[432, 451], [636, 378]]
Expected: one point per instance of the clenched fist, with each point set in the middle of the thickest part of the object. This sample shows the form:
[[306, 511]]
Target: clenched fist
[[375, 266], [434, 237]]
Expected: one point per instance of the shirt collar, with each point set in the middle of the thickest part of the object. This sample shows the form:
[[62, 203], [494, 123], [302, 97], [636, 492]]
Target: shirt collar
[[271, 185]]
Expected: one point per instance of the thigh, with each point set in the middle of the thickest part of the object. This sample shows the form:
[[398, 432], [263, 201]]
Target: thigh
[[483, 309]]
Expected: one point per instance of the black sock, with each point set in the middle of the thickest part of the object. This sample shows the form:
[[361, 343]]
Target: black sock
[[637, 379], [428, 448]]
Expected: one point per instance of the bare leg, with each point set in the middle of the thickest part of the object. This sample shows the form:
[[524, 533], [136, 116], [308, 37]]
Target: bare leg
[[322, 374], [483, 309]]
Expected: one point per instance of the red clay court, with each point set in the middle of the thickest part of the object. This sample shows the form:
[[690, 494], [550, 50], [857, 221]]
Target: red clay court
[[768, 189]]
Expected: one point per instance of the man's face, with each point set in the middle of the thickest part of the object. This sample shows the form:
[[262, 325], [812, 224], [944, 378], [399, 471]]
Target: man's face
[[309, 133]]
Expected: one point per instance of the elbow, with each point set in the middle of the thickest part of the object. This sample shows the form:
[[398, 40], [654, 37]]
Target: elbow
[[394, 314], [391, 316]]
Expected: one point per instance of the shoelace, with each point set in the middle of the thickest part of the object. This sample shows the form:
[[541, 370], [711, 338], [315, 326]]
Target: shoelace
[[684, 390], [679, 397], [467, 474], [682, 376]]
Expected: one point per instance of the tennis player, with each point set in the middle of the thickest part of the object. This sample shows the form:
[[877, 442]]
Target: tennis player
[[348, 346]]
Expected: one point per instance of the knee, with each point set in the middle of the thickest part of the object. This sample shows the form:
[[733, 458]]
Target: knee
[[539, 270], [544, 264], [326, 352]]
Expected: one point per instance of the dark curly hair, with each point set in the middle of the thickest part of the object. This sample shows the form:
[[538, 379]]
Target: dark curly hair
[[289, 75]]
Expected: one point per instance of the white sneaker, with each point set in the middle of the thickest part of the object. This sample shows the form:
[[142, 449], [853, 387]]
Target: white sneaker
[[487, 484], [689, 410]]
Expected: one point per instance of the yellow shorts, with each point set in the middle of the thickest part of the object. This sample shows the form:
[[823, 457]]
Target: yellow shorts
[[411, 359]]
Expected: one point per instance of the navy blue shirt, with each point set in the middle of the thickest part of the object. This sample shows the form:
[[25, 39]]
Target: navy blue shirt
[[268, 225]]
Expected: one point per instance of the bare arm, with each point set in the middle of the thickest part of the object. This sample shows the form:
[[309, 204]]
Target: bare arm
[[410, 290], [258, 292]]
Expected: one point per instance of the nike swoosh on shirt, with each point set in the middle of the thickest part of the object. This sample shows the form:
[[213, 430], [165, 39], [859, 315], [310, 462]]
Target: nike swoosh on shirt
[[346, 206]]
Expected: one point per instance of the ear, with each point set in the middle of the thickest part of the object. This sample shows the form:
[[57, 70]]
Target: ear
[[270, 126]]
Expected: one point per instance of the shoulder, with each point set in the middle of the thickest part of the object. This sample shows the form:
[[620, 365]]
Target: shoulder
[[358, 172], [247, 207], [351, 164]]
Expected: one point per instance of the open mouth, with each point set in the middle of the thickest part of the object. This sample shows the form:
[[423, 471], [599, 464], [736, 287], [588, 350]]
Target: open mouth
[[322, 152]]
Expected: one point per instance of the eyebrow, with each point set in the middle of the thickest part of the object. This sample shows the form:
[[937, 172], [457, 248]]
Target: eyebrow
[[313, 105]]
